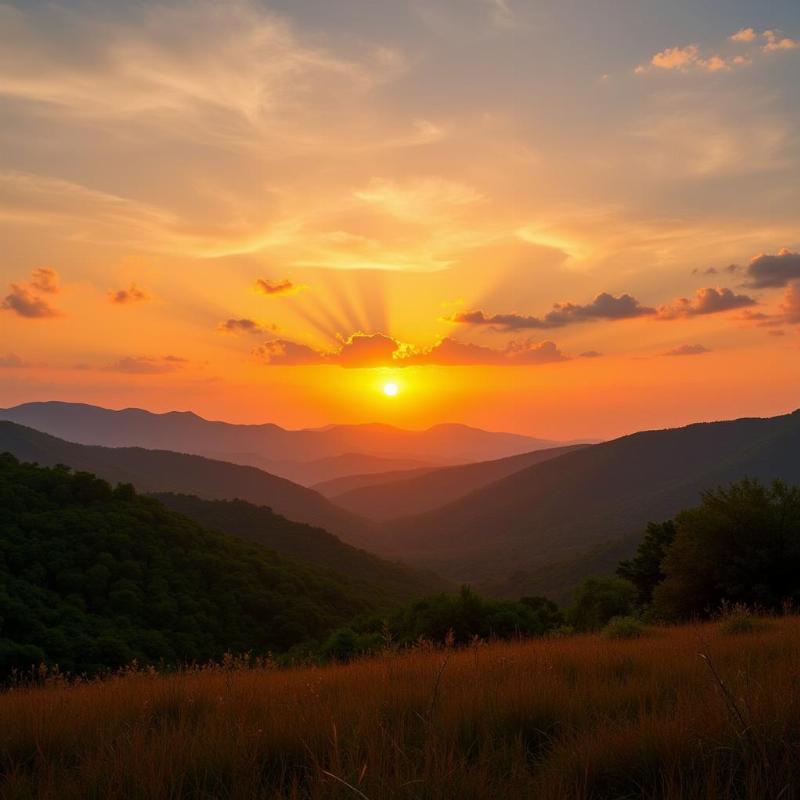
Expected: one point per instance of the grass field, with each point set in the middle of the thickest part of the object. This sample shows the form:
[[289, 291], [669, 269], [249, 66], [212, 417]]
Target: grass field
[[689, 712]]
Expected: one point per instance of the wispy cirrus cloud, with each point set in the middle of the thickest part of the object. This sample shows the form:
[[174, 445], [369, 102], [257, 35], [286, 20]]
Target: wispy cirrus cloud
[[146, 365]]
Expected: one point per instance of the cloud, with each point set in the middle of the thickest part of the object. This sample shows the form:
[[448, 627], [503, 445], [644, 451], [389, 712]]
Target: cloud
[[45, 280], [604, 307], [418, 201], [683, 59], [24, 298], [590, 354], [691, 58], [744, 35], [363, 350], [146, 365], [773, 271], [127, 296], [776, 42], [368, 350], [450, 352], [241, 326], [12, 361], [676, 57], [286, 353], [790, 307], [705, 301], [274, 288], [687, 350]]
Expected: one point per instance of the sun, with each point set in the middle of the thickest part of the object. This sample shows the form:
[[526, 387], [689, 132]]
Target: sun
[[391, 389]]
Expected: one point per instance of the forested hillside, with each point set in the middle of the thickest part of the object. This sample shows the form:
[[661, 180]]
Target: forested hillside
[[578, 514], [93, 577], [303, 543], [166, 471]]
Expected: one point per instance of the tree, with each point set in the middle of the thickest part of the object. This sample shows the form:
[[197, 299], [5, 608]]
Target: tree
[[599, 600], [644, 569], [740, 545]]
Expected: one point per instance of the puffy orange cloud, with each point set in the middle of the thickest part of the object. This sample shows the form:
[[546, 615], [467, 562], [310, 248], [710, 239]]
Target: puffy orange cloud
[[24, 298], [363, 350], [705, 301], [776, 42], [790, 307], [604, 306], [133, 294], [772, 271], [241, 326], [744, 35], [45, 280]]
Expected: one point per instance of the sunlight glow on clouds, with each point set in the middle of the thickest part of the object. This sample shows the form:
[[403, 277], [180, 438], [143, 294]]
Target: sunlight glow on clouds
[[329, 181]]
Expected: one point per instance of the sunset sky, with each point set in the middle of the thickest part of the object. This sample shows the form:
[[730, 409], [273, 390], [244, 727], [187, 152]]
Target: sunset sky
[[565, 218]]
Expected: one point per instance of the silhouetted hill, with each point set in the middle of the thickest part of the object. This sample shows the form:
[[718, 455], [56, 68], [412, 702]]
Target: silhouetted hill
[[303, 543], [165, 471], [348, 483], [93, 577], [330, 468], [186, 432], [426, 489], [565, 511]]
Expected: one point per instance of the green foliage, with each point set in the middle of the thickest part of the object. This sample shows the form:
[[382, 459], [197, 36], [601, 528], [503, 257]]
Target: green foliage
[[740, 546], [624, 628], [446, 619], [598, 600], [462, 617], [345, 644], [644, 569], [398, 583], [93, 577]]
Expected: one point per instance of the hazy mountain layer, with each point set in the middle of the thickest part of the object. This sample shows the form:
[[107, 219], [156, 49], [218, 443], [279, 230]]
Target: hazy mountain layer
[[165, 471], [425, 490]]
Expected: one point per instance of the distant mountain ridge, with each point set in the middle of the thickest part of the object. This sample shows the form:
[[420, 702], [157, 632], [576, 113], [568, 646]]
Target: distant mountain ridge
[[186, 432], [584, 510], [424, 490], [166, 471]]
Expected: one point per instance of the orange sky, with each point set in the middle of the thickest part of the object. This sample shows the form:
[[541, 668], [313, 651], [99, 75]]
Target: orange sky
[[530, 219]]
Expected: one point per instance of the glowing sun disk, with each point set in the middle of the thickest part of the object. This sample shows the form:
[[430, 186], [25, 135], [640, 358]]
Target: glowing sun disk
[[390, 389]]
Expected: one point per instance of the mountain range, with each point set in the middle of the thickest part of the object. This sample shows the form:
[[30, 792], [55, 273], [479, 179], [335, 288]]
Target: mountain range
[[369, 448], [416, 491], [166, 471], [535, 522], [573, 514]]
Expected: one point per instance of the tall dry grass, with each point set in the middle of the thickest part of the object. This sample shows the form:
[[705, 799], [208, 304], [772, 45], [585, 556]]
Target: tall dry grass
[[586, 717]]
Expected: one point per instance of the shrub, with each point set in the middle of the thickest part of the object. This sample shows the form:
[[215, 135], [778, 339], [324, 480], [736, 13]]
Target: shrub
[[624, 628], [598, 600]]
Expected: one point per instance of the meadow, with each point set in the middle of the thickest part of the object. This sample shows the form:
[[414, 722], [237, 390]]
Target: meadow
[[698, 711]]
